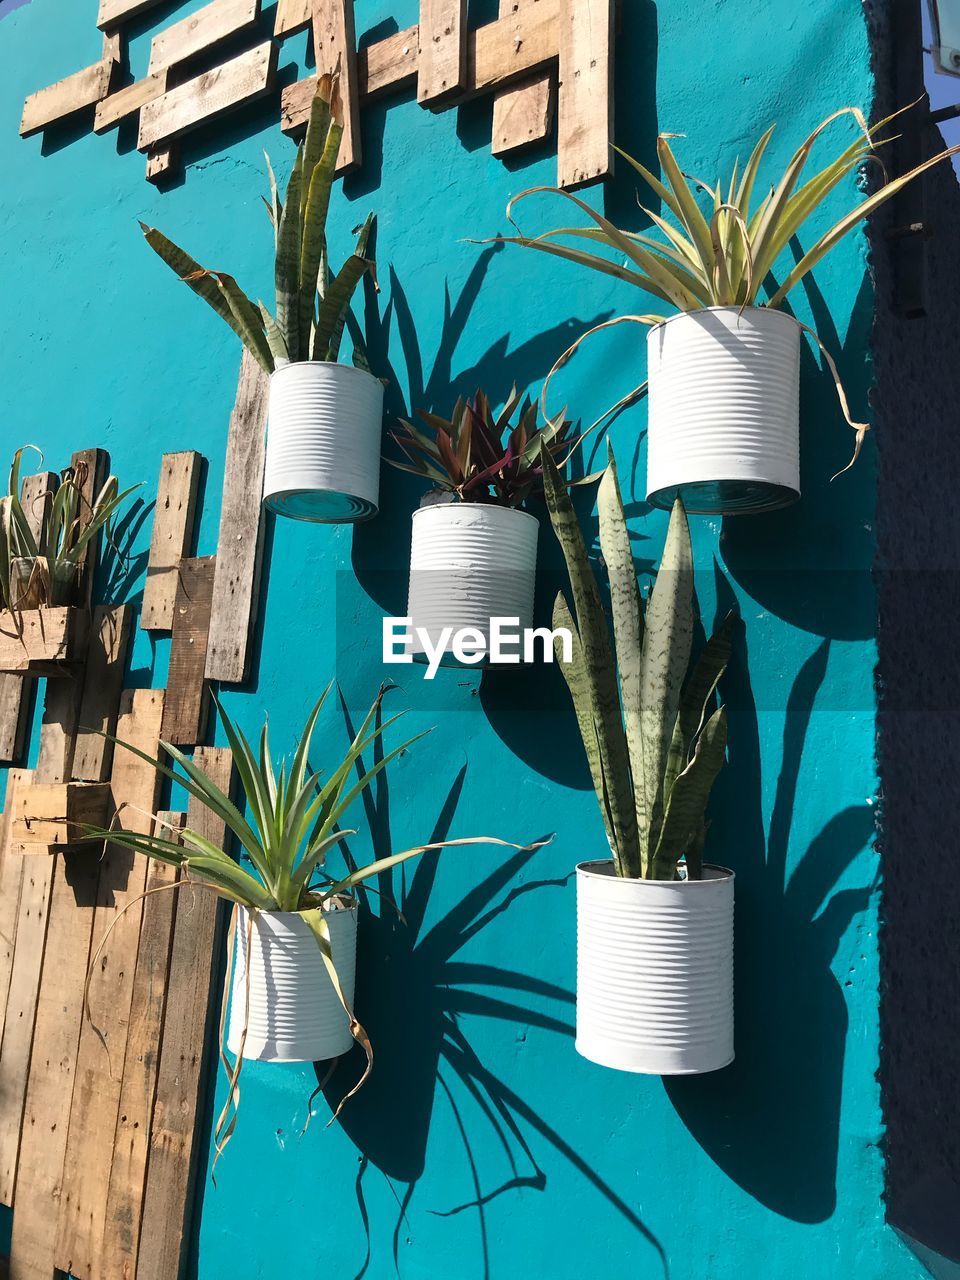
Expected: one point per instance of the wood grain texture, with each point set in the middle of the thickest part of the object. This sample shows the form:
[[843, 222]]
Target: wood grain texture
[[206, 97], [292, 15], [524, 114], [32, 916], [188, 1032], [103, 1038], [14, 708], [11, 867], [585, 113], [58, 730], [50, 815], [335, 47], [186, 707], [38, 640], [199, 31], [173, 522], [83, 89], [127, 101], [100, 695], [91, 467], [442, 66], [113, 12], [53, 1064], [138, 1089], [236, 586], [161, 161]]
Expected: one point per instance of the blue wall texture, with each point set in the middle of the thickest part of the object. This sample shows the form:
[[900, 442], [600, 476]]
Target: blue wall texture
[[484, 1147]]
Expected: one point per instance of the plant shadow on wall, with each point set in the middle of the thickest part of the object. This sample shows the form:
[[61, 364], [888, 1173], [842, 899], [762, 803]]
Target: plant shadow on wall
[[416, 989], [771, 1119]]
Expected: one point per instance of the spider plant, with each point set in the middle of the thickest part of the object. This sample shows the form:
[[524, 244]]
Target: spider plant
[[479, 455], [653, 735], [312, 305], [721, 253], [40, 553]]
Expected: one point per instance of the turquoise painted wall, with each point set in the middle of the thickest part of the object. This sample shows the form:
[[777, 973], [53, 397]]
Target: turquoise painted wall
[[484, 1147]]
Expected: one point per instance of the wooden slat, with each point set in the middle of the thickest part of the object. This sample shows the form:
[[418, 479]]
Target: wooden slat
[[37, 637], [113, 12], [53, 1064], [442, 67], [173, 521], [201, 30], [36, 495], [100, 698], [138, 1090], [236, 586], [292, 15], [185, 713], [335, 46], [242, 79], [92, 467], [32, 918], [14, 708], [58, 731], [585, 114], [161, 161], [84, 88], [192, 1004], [125, 102], [499, 54], [96, 1094], [11, 867], [524, 114], [52, 814]]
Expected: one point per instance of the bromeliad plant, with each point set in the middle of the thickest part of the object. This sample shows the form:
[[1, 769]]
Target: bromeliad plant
[[312, 306], [653, 734], [480, 456], [41, 568]]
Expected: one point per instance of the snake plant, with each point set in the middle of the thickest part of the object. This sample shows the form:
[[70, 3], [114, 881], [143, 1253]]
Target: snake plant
[[652, 732], [312, 304], [41, 551]]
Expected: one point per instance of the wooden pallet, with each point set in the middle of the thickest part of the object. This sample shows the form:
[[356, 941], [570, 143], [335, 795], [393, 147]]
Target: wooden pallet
[[98, 1151], [540, 59]]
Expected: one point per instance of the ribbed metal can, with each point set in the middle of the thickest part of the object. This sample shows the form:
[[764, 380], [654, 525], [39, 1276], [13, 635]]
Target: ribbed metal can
[[724, 410], [294, 1014], [470, 562], [323, 443], [655, 971]]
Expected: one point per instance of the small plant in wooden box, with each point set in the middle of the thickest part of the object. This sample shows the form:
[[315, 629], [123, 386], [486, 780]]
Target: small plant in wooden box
[[43, 543], [50, 817]]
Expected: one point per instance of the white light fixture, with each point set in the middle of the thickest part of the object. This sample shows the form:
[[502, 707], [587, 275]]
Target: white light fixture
[[945, 30]]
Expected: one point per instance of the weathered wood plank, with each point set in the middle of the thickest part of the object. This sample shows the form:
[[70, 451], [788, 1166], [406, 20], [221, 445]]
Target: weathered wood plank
[[90, 467], [389, 65], [189, 1022], [585, 114], [524, 114], [292, 15], [127, 101], [161, 161], [138, 1090], [185, 712], [58, 730], [51, 815], [113, 12], [240, 80], [201, 30], [84, 88], [96, 1093], [14, 706], [11, 867], [32, 917], [52, 1064], [236, 586], [335, 46], [100, 698], [33, 639], [442, 67], [173, 521]]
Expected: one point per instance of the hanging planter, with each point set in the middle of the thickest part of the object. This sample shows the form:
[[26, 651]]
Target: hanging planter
[[473, 553], [323, 442], [723, 375], [655, 971], [292, 1012], [723, 428], [324, 430], [654, 922]]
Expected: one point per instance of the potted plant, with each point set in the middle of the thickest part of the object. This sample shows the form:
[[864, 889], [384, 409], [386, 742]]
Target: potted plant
[[654, 921], [473, 555], [43, 629], [323, 437], [723, 423], [296, 934]]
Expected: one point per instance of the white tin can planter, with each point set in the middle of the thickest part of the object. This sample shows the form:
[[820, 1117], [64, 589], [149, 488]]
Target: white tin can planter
[[724, 410], [655, 971], [323, 443], [470, 562], [294, 1014]]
